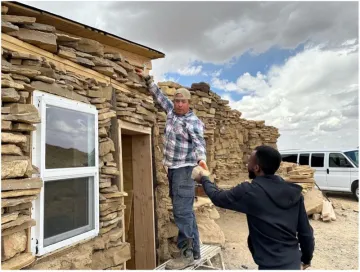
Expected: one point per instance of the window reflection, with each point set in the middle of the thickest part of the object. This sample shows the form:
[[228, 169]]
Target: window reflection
[[70, 138]]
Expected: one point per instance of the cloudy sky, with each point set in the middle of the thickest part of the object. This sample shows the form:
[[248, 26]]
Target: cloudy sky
[[292, 64]]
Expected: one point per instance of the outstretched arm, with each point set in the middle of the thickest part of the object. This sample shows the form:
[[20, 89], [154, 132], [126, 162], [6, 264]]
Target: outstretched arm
[[233, 199], [162, 99]]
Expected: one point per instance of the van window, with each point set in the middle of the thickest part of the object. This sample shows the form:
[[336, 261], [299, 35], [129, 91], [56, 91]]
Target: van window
[[354, 156], [289, 158], [304, 159], [317, 160], [338, 160]]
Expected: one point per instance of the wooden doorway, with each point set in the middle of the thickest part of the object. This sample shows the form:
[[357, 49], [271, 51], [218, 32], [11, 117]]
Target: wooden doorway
[[137, 178]]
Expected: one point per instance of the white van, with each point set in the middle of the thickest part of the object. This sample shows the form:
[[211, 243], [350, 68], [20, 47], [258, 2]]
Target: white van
[[336, 170]]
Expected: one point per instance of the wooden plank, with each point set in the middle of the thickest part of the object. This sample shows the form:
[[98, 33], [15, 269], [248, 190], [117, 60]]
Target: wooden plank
[[133, 127], [144, 220]]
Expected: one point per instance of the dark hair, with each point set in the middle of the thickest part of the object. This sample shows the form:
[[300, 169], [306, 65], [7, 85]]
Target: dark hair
[[268, 159]]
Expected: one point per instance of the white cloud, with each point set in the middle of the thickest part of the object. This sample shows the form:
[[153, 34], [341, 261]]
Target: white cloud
[[314, 95], [190, 70], [223, 30]]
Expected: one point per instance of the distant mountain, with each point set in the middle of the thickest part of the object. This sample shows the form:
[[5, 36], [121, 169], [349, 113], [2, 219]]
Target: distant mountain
[[59, 157]]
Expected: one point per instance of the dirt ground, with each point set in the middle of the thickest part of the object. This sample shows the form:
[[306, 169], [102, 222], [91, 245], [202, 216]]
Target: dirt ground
[[336, 242]]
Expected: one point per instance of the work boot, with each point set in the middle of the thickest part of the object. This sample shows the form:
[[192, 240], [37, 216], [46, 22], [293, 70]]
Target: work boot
[[185, 259], [196, 255]]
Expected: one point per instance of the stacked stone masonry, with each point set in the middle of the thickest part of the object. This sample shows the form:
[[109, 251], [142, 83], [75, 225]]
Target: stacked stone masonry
[[229, 140]]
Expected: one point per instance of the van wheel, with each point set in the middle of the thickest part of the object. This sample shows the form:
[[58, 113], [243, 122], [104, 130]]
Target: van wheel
[[355, 189]]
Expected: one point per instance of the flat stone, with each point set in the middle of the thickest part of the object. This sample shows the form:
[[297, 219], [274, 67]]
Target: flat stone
[[23, 127], [6, 125], [106, 115], [106, 147], [102, 132], [119, 69], [11, 149], [4, 9], [16, 61], [24, 206], [104, 184], [9, 95], [7, 137], [97, 100], [24, 56], [46, 41], [109, 217], [7, 27], [111, 189], [94, 94], [13, 244], [85, 62], [16, 108], [67, 55], [20, 71], [108, 71], [17, 201], [31, 63], [126, 66], [18, 262], [58, 90], [21, 184], [90, 47], [66, 38], [40, 27], [18, 193], [14, 166], [106, 229], [29, 118], [9, 217], [313, 201], [112, 257], [113, 56], [20, 77], [115, 195], [11, 84], [18, 19], [111, 222], [84, 55], [102, 62], [20, 220], [45, 79]]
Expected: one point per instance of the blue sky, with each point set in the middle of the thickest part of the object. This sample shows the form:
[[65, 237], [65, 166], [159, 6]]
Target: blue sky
[[247, 63]]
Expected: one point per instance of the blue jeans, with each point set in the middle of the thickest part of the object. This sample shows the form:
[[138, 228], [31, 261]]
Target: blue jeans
[[182, 194]]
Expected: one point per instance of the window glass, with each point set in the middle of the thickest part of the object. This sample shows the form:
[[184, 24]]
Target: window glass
[[289, 158], [338, 160], [317, 160], [68, 208], [304, 159], [70, 138]]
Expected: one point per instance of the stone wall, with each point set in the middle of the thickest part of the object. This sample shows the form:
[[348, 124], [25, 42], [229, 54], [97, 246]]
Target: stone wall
[[22, 73]]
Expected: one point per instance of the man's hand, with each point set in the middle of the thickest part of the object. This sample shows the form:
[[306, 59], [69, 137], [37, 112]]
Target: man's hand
[[304, 266], [198, 172], [140, 72], [147, 78]]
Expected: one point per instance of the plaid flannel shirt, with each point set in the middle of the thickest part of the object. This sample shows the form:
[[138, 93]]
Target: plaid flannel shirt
[[184, 143]]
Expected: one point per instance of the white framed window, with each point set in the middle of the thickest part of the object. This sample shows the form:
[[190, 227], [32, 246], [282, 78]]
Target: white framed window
[[65, 149]]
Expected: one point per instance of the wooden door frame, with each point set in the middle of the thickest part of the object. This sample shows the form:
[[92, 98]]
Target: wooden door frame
[[143, 194]]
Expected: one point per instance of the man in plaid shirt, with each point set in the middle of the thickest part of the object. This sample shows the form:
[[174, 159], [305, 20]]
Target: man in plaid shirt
[[184, 148]]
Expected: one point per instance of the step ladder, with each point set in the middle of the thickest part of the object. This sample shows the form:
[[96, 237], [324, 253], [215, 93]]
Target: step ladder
[[207, 253]]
